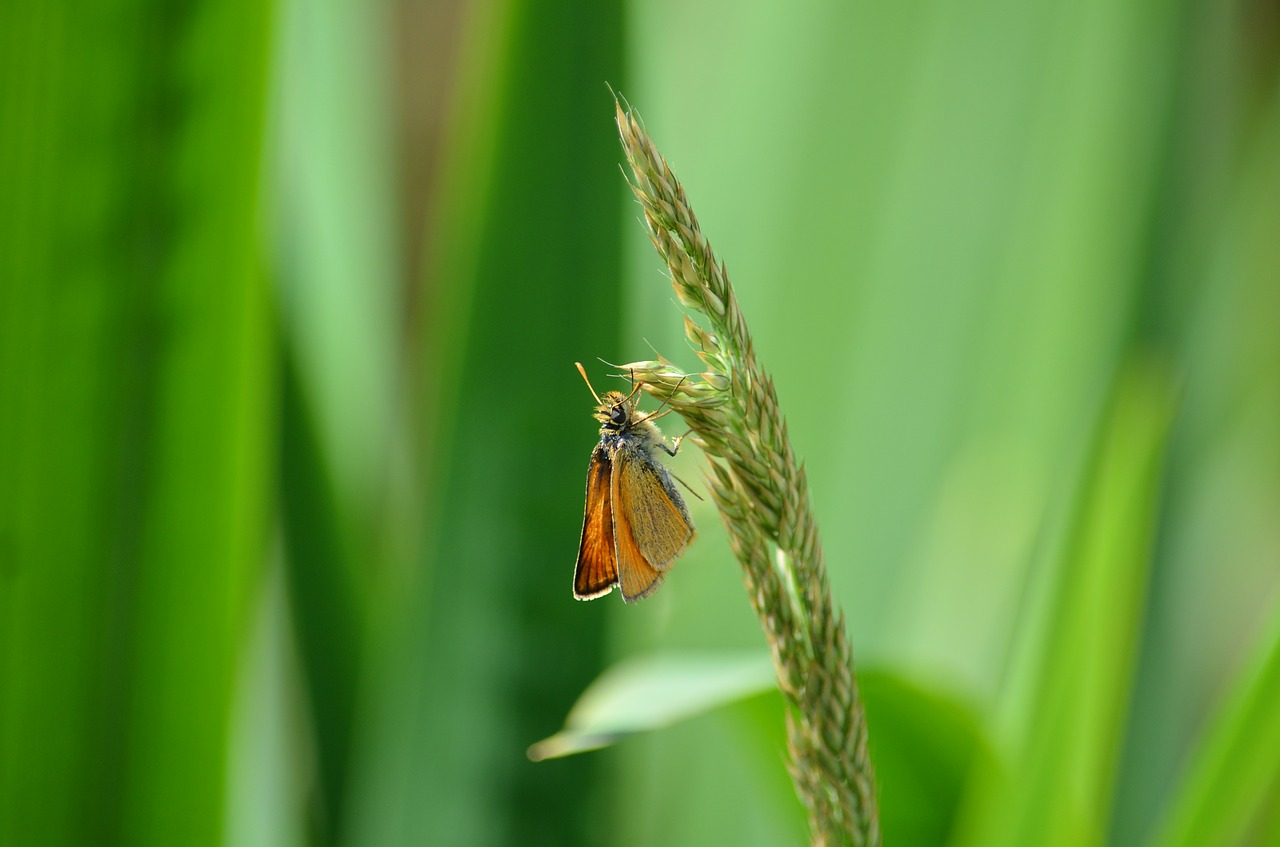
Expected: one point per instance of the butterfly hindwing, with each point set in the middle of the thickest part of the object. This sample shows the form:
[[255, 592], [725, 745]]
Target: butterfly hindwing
[[651, 524], [658, 519], [597, 569], [637, 579]]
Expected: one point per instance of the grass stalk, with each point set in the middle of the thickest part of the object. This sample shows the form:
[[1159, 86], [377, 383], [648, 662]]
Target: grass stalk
[[763, 497]]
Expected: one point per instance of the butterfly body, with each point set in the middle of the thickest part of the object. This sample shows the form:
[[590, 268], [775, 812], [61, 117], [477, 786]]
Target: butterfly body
[[636, 523]]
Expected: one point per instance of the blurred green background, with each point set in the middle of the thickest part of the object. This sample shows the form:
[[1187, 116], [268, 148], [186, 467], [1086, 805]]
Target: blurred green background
[[292, 449]]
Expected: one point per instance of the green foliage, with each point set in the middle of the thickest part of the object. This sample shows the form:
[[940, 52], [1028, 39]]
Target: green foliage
[[1070, 697], [926, 745], [1228, 794], [643, 695], [137, 413], [526, 241], [292, 449]]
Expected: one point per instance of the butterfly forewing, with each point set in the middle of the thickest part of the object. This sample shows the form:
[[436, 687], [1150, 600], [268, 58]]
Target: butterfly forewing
[[658, 519], [597, 569]]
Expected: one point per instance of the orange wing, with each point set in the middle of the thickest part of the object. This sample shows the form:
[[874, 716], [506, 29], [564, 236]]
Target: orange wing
[[637, 579], [650, 529], [655, 512], [597, 569]]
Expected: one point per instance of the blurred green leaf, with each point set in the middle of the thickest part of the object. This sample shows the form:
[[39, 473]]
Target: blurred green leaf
[[638, 695], [337, 252], [136, 374], [484, 647], [1066, 730], [1229, 793], [325, 597], [924, 745]]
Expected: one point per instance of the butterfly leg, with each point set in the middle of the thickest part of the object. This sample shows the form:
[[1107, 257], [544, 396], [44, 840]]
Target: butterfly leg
[[671, 451]]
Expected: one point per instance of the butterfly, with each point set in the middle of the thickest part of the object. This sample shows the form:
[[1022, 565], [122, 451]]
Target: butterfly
[[636, 523]]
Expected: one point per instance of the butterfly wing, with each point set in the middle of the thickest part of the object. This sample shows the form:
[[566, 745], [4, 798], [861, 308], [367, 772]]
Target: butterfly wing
[[651, 524], [597, 569], [637, 578], [656, 515]]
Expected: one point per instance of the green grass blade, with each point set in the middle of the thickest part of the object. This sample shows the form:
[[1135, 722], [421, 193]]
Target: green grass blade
[[523, 280], [1065, 733], [324, 596], [338, 281], [204, 524], [1218, 547], [55, 470], [1228, 794], [1235, 774], [136, 370]]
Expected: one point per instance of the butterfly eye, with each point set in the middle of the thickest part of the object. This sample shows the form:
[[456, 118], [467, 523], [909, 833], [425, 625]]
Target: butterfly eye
[[618, 416]]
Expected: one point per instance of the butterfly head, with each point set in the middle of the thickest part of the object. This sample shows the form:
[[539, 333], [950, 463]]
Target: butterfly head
[[615, 413]]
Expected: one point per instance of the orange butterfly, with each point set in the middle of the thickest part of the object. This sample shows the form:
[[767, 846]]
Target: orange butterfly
[[636, 522]]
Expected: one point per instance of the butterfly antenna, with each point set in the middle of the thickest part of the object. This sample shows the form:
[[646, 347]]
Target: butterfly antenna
[[631, 375], [635, 386], [583, 371], [654, 414]]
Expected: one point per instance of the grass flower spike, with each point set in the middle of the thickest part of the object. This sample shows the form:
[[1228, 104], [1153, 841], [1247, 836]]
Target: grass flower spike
[[762, 495]]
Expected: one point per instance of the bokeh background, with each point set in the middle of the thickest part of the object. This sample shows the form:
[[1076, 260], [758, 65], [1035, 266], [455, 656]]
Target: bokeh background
[[292, 448]]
